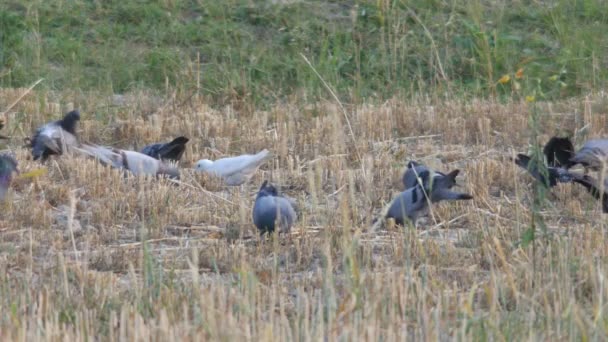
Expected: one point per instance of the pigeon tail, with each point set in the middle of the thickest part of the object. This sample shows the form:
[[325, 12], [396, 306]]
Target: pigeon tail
[[105, 155], [448, 195]]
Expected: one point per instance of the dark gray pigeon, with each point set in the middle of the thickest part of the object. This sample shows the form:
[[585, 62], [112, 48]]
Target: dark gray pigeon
[[8, 165], [167, 151], [412, 203], [553, 176], [414, 168], [55, 137], [270, 209]]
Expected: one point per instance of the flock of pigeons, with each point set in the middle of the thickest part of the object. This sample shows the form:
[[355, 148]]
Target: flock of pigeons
[[423, 186]]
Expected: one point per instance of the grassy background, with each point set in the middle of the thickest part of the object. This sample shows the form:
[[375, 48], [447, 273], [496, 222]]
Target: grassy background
[[238, 50]]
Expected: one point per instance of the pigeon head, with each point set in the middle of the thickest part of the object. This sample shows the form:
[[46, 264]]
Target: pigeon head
[[68, 122], [425, 178], [559, 151], [267, 189], [447, 181], [8, 165], [412, 163], [203, 165]]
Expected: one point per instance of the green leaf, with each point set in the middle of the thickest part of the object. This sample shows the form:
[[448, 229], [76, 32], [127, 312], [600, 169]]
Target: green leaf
[[527, 237]]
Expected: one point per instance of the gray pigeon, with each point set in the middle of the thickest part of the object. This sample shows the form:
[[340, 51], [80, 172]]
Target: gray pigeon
[[167, 151], [137, 163], [412, 203], [55, 137], [233, 170], [414, 168], [593, 155], [270, 209], [8, 165]]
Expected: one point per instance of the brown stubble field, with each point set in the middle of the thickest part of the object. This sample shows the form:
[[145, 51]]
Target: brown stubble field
[[74, 265]]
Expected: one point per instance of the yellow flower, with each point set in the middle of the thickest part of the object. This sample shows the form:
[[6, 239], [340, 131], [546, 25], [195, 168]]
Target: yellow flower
[[33, 174], [520, 73], [505, 79], [530, 98]]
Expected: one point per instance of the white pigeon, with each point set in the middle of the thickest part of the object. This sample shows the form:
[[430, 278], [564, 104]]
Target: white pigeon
[[233, 170], [137, 163]]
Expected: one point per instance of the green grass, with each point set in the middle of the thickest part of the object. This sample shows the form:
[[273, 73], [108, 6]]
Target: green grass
[[250, 50]]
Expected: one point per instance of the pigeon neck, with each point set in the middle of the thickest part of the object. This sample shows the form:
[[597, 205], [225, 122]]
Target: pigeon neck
[[68, 123]]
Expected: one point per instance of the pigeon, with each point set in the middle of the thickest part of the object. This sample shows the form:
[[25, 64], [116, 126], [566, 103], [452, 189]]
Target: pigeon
[[8, 165], [558, 154], [55, 137], [410, 178], [137, 163], [233, 170], [553, 176], [167, 151], [593, 155], [412, 203], [270, 209]]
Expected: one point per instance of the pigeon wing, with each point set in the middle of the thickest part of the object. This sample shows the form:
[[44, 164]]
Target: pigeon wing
[[139, 163], [152, 150], [410, 177], [173, 150], [237, 170], [594, 154], [287, 215], [105, 155]]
